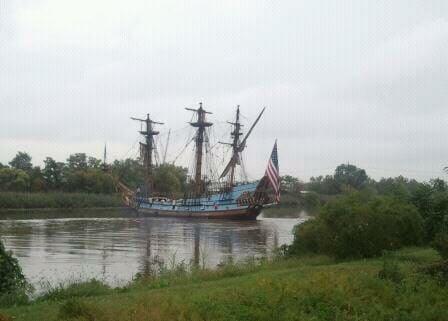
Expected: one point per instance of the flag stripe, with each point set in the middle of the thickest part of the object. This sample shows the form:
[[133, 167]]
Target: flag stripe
[[272, 173]]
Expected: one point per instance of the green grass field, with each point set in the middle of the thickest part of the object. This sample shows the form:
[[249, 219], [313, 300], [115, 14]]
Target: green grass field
[[312, 288]]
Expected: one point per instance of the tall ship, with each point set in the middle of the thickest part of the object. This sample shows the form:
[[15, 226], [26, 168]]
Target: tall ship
[[224, 198]]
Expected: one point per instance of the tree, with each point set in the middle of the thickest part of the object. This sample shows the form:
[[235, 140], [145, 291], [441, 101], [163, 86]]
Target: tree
[[53, 173], [37, 181], [350, 175], [22, 161], [12, 179], [77, 161], [290, 184], [129, 171], [323, 185], [93, 162], [431, 199], [169, 179]]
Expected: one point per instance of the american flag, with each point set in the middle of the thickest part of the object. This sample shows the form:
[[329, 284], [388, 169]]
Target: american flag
[[272, 173]]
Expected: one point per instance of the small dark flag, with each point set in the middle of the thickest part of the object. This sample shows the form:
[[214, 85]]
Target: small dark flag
[[272, 173]]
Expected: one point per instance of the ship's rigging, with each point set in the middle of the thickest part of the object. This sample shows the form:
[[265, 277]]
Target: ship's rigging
[[147, 149], [204, 178]]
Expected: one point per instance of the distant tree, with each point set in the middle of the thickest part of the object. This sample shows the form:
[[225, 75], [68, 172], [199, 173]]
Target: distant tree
[[37, 181], [350, 175], [290, 184], [53, 173], [12, 179], [93, 162], [169, 179], [431, 199], [77, 161], [129, 171], [323, 185], [90, 181], [397, 187], [2, 166], [22, 161]]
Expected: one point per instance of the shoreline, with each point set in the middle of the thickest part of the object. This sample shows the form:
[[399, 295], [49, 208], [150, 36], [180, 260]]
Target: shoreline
[[78, 212]]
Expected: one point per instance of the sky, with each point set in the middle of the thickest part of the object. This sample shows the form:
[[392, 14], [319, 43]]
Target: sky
[[359, 82]]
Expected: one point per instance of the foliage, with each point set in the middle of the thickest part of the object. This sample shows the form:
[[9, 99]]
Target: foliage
[[346, 178], [89, 180], [77, 161], [351, 176], [290, 184], [53, 173], [21, 161], [11, 200], [12, 179], [129, 171], [169, 179], [357, 226], [431, 199], [306, 289], [437, 270], [391, 270], [74, 289], [12, 280], [323, 185], [79, 310], [440, 243]]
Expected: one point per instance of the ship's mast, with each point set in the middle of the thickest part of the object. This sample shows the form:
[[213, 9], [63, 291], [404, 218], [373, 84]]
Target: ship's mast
[[236, 133], [147, 148], [201, 124], [240, 147]]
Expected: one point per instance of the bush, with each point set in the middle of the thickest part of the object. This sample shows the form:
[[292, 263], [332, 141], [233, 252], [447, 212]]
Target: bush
[[77, 309], [440, 243], [13, 285], [391, 270], [11, 276], [438, 271], [359, 226]]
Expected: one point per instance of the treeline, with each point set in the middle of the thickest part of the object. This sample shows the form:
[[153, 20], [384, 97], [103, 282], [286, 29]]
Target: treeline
[[83, 174]]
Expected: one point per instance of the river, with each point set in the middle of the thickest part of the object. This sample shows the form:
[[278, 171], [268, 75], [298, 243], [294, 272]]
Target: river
[[53, 251]]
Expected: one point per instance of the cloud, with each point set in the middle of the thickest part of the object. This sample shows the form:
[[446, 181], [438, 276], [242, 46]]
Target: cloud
[[358, 82]]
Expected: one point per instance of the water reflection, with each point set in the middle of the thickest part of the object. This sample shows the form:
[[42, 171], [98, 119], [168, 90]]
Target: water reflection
[[114, 249]]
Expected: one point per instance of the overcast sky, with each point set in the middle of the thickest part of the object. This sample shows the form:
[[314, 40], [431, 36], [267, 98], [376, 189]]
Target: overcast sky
[[364, 82]]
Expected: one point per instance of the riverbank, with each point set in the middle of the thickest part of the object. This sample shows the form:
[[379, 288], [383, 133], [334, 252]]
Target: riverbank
[[55, 213], [311, 288], [57, 200]]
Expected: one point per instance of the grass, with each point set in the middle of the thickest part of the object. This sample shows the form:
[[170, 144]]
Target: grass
[[309, 288], [13, 200]]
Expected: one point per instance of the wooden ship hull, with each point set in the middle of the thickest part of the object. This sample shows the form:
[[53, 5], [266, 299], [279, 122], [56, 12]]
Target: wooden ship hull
[[242, 202], [249, 213]]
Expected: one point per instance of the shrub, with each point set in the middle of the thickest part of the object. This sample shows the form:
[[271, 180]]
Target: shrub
[[440, 243], [359, 226], [89, 288], [391, 270], [438, 271], [11, 276], [13, 285], [77, 309]]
